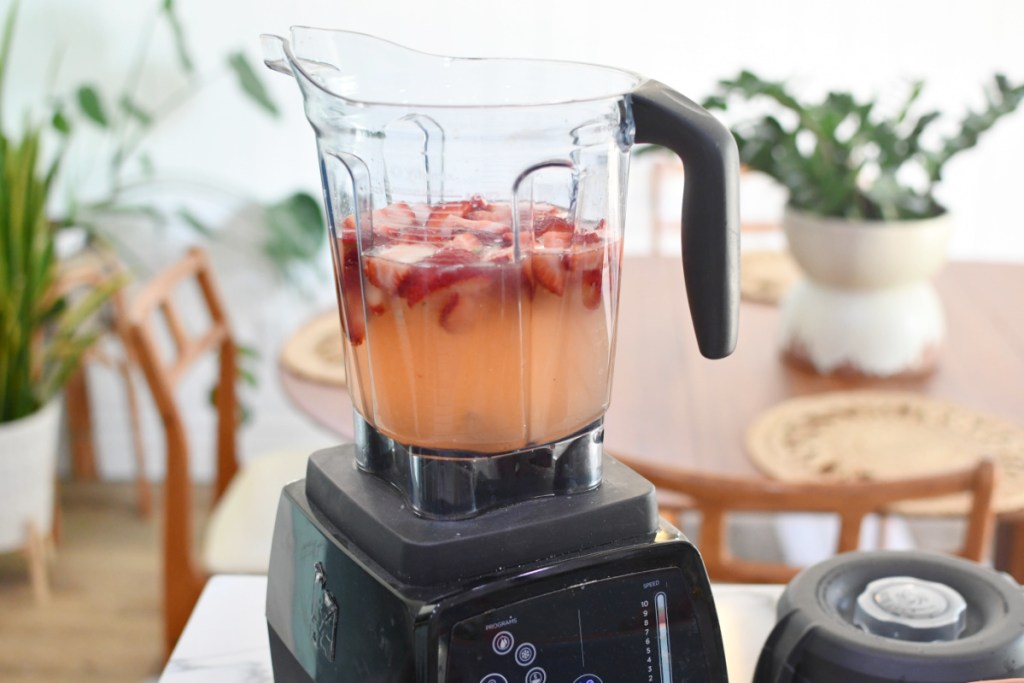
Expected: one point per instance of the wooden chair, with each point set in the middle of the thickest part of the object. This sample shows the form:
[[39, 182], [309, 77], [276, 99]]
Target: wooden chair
[[238, 532], [86, 271], [715, 496]]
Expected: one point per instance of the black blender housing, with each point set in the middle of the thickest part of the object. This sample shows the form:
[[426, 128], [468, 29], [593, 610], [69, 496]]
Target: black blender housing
[[590, 587]]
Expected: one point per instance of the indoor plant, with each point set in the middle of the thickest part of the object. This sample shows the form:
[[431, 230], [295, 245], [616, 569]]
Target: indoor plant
[[41, 336], [862, 219]]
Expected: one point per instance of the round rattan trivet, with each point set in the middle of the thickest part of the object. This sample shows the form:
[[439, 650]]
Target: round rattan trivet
[[315, 352], [878, 435], [765, 276]]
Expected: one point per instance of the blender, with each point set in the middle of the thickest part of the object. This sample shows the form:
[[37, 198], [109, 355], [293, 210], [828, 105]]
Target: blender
[[475, 531]]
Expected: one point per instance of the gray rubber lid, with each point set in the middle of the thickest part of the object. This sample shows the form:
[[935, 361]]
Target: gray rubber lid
[[909, 608]]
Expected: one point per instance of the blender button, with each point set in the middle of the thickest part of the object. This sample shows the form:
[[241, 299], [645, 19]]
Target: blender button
[[503, 643], [525, 654], [493, 678], [536, 675], [587, 678]]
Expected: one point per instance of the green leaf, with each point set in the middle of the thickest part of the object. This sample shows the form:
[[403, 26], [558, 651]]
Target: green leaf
[[5, 47], [248, 377], [178, 33], [129, 107], [91, 105], [246, 351], [193, 221], [60, 122], [250, 83], [295, 230]]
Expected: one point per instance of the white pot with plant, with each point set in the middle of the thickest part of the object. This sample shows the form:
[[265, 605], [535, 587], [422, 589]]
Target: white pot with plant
[[862, 220], [42, 338]]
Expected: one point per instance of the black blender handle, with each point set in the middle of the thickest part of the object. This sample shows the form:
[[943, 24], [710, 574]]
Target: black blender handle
[[710, 229]]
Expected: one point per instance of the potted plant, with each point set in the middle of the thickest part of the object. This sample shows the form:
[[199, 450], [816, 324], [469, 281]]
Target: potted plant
[[862, 219], [42, 337]]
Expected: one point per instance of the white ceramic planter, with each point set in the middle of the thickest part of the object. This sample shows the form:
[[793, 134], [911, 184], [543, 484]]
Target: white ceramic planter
[[866, 304], [28, 465]]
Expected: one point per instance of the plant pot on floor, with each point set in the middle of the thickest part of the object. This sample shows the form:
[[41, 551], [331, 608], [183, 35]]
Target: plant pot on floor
[[28, 471], [865, 304]]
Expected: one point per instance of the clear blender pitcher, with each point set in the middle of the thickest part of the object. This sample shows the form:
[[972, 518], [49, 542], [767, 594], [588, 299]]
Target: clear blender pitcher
[[476, 209]]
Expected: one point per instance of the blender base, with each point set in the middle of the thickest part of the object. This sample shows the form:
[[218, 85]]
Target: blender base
[[566, 588], [421, 551]]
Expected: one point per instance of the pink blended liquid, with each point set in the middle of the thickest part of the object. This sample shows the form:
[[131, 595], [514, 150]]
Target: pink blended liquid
[[462, 347]]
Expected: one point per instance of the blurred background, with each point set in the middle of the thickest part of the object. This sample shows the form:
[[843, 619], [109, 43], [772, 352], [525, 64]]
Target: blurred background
[[226, 153], [218, 143]]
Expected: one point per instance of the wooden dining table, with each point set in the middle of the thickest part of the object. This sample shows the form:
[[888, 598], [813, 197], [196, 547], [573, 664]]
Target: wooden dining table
[[670, 404]]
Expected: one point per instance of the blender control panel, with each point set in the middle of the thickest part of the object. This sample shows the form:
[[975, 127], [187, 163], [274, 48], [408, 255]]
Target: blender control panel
[[638, 627]]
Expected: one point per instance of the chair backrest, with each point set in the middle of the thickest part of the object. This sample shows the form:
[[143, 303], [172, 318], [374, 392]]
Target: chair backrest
[[715, 496], [183, 578]]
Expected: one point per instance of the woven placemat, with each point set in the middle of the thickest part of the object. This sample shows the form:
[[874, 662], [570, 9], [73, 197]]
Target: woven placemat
[[765, 276], [879, 435], [315, 352]]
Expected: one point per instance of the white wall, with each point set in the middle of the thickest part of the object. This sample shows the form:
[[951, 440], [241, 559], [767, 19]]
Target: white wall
[[869, 46]]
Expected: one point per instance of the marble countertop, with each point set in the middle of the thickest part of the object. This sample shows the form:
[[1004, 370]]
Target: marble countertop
[[225, 640]]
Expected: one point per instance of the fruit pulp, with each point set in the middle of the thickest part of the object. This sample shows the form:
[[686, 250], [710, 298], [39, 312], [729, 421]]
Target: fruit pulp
[[455, 342]]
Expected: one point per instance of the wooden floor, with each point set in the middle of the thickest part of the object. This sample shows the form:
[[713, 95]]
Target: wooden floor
[[103, 620]]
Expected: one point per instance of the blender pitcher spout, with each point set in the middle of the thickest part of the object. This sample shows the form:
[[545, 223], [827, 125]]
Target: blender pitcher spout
[[274, 53]]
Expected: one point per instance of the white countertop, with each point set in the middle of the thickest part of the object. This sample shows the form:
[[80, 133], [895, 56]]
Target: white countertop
[[225, 640]]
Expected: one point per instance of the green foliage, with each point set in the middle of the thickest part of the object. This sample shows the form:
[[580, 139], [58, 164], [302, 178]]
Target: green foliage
[[42, 337], [92, 106], [251, 85], [295, 231], [846, 158]]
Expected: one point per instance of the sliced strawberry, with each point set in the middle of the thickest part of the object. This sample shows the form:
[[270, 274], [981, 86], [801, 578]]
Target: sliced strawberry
[[548, 271], [440, 270], [498, 255], [375, 301], [388, 268], [348, 253], [586, 238], [458, 314], [353, 320], [466, 241], [590, 288], [440, 212], [499, 213], [556, 240], [479, 226], [394, 221], [552, 223], [351, 301], [583, 258], [349, 223], [400, 213], [527, 276]]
